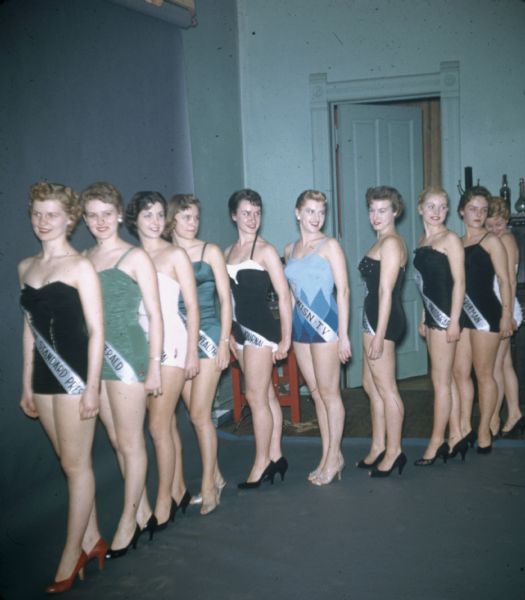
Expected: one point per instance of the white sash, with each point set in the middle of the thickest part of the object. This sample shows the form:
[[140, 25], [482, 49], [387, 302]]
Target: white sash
[[316, 323], [253, 337], [206, 344], [68, 379], [118, 364], [474, 315], [365, 323], [436, 313]]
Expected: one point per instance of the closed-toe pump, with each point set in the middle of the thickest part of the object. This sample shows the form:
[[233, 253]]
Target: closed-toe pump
[[519, 426], [267, 474], [400, 463], [364, 465], [471, 438], [441, 452], [122, 551], [64, 585], [151, 526], [184, 503], [484, 449], [99, 552], [461, 447], [281, 466]]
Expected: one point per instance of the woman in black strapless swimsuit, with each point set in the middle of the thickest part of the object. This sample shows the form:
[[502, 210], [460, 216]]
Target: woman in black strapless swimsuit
[[63, 349], [485, 319], [440, 276], [258, 338], [383, 269]]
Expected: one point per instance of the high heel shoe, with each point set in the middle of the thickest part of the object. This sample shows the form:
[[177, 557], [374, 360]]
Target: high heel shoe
[[325, 479], [267, 474], [151, 526], [441, 452], [471, 438], [64, 585], [183, 504], [281, 466], [98, 551], [364, 465], [461, 447], [122, 551], [400, 463], [484, 449], [518, 426]]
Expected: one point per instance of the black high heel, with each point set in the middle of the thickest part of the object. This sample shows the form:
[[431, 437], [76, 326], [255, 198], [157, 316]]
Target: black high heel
[[281, 466], [461, 447], [518, 426], [471, 438], [171, 517], [122, 551], [400, 463], [441, 452], [364, 465], [484, 449], [151, 526], [268, 473]]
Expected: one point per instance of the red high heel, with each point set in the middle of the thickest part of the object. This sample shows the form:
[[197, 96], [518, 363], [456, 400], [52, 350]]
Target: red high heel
[[57, 587], [99, 551]]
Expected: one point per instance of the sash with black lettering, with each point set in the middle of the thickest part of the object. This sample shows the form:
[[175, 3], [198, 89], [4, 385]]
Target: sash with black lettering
[[119, 365], [365, 323], [64, 374], [206, 344], [320, 326], [254, 338], [479, 321], [436, 313]]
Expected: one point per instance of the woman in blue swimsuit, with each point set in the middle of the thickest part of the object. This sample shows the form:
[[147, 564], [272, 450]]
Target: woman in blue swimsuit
[[316, 271], [258, 339]]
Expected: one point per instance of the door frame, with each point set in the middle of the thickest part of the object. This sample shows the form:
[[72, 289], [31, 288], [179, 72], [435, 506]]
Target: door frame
[[443, 84]]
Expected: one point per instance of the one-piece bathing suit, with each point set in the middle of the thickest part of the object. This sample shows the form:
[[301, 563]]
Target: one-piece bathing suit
[[481, 307], [314, 318], [55, 312], [254, 323], [370, 271], [126, 349], [210, 325], [175, 335], [434, 281]]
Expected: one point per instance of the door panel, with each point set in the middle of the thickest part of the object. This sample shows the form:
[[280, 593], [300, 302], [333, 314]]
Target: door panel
[[379, 145]]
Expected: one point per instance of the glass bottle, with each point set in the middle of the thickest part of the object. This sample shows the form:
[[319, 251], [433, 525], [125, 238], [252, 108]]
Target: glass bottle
[[520, 202], [504, 191]]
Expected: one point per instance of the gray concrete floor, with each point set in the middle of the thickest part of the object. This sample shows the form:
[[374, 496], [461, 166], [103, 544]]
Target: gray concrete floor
[[446, 532]]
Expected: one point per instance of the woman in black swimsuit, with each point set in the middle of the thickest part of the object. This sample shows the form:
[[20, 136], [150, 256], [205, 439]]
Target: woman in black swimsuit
[[63, 348], [258, 338], [383, 269], [440, 275], [485, 319]]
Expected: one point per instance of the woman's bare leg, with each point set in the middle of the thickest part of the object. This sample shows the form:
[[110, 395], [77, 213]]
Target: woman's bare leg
[[377, 408], [512, 396], [462, 376]]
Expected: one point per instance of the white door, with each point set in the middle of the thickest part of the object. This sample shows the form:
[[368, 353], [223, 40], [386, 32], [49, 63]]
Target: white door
[[379, 145]]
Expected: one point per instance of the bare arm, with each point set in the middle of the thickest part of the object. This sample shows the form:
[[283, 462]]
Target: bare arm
[[28, 343], [337, 261], [222, 281], [391, 256], [90, 293], [273, 265], [145, 275], [509, 243], [186, 277], [499, 260], [456, 259]]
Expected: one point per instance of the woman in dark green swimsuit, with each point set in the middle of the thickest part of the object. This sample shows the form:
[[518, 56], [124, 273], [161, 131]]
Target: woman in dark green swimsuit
[[198, 393]]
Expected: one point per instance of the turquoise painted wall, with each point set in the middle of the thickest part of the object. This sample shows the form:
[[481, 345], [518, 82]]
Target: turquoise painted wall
[[212, 75], [281, 42]]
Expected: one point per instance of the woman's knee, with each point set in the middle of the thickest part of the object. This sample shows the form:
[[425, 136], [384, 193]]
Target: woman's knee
[[200, 417]]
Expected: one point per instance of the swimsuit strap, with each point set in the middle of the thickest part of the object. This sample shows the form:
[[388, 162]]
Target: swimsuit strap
[[123, 256], [290, 255], [483, 237], [203, 249], [320, 245], [253, 246]]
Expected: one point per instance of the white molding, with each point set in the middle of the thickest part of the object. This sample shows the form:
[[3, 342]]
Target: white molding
[[444, 84]]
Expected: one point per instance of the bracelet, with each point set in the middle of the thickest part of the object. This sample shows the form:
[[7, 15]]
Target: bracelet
[[155, 358], [225, 339]]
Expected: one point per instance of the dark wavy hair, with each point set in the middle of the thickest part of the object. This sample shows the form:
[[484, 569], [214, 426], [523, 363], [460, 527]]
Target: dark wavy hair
[[384, 192], [237, 197], [466, 197], [137, 204]]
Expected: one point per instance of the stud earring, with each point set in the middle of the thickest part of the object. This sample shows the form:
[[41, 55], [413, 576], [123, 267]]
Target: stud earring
[[119, 219]]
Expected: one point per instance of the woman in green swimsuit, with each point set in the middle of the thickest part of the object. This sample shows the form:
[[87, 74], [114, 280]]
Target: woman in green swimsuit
[[198, 393], [131, 368]]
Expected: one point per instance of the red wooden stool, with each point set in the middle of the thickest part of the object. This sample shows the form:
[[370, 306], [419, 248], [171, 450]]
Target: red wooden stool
[[284, 375]]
